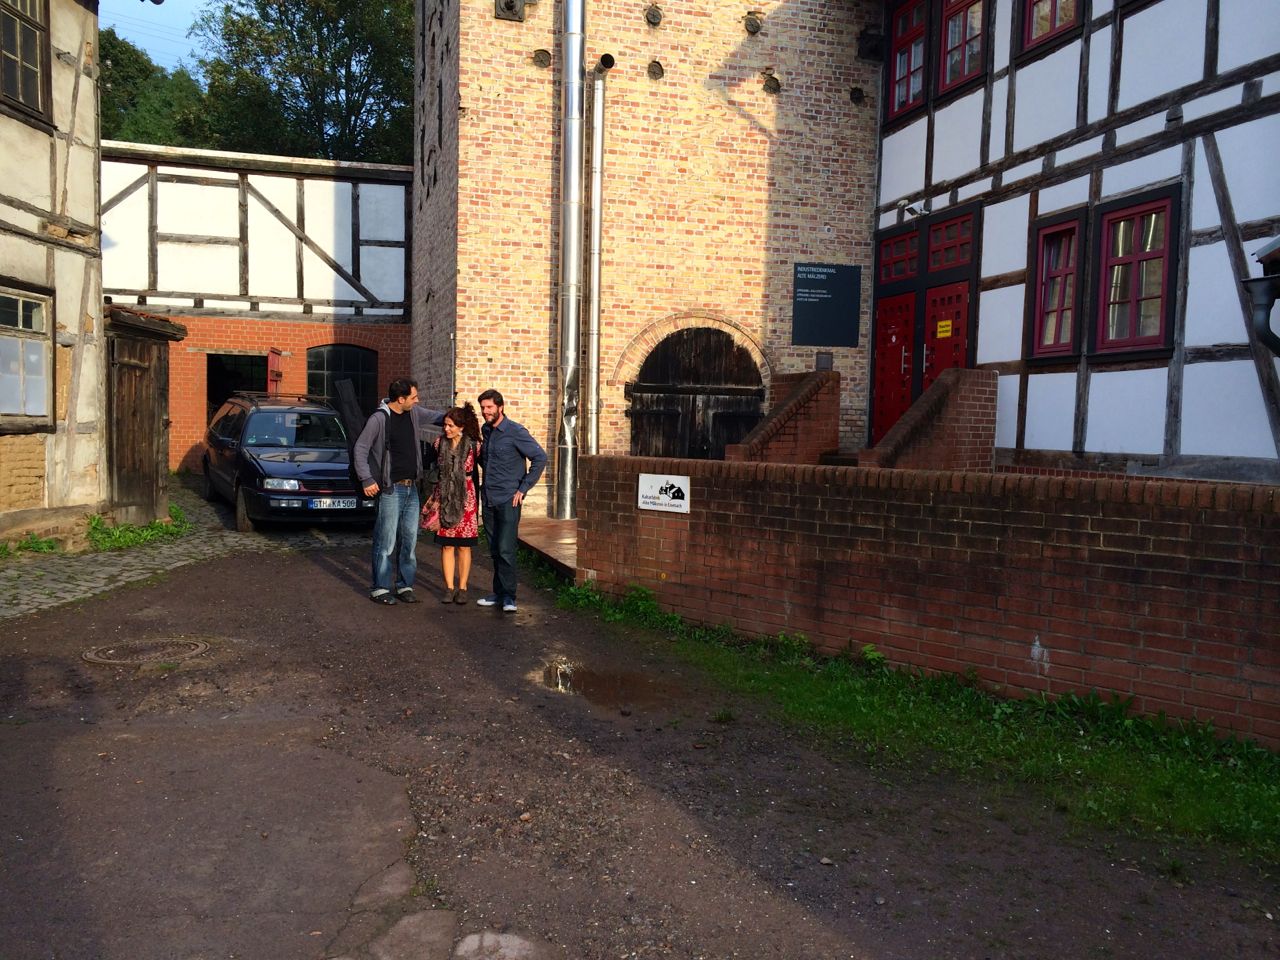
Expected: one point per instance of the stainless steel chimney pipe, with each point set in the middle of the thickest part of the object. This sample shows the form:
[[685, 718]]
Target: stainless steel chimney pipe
[[591, 436], [572, 83]]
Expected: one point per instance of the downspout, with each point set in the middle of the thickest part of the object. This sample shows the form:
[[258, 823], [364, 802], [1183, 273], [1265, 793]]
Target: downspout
[[591, 437], [572, 80]]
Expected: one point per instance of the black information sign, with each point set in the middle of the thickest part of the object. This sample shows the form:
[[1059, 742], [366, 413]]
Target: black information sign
[[824, 305]]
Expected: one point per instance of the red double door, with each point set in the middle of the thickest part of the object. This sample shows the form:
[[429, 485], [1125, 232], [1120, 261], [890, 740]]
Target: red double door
[[909, 355]]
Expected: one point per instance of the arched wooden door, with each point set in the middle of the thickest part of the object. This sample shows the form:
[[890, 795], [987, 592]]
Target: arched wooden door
[[697, 392]]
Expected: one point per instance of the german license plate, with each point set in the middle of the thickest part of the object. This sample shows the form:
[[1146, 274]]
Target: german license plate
[[332, 503]]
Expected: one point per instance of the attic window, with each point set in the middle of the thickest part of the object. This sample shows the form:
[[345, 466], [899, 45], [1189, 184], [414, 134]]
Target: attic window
[[24, 62]]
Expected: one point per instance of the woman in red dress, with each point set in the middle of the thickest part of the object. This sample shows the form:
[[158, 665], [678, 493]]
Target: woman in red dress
[[458, 450]]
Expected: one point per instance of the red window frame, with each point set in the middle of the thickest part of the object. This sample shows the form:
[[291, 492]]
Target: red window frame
[[1124, 279], [909, 26], [902, 251], [1057, 290], [1059, 23], [971, 47], [943, 240]]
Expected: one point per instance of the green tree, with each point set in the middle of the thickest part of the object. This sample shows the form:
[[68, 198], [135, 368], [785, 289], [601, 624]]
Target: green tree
[[143, 103], [312, 78]]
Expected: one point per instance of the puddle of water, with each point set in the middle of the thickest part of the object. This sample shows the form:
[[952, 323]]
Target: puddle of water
[[612, 689]]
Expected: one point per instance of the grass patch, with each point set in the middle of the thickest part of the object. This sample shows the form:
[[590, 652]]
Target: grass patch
[[125, 535], [29, 544], [1091, 757]]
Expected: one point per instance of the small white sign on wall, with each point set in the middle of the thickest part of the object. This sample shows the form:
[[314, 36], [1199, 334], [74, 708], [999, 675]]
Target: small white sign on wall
[[660, 491]]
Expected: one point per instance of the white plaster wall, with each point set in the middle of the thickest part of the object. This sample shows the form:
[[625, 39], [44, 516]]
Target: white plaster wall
[[888, 219], [1271, 84], [124, 243], [1212, 103], [1047, 93], [1163, 49], [382, 212], [1248, 30], [1249, 161], [1007, 412], [1002, 32], [1142, 172], [1126, 411], [198, 268], [22, 259], [1222, 411], [319, 281], [1062, 196], [81, 183], [1004, 236], [272, 259], [999, 111], [116, 176], [957, 137], [1051, 411], [1000, 325], [1204, 203], [191, 209], [1099, 72], [1024, 170], [1145, 127], [382, 271], [24, 163], [1085, 148], [1101, 6], [210, 174], [1213, 299], [970, 190], [902, 161]]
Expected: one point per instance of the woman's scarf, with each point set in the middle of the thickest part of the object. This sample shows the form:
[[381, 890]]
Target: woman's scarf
[[453, 480]]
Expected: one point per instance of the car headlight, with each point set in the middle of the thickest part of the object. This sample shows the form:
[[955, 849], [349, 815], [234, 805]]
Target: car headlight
[[273, 484]]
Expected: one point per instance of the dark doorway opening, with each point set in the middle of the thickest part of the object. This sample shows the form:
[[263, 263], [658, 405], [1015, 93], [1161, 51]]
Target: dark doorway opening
[[328, 364], [696, 393], [226, 373]]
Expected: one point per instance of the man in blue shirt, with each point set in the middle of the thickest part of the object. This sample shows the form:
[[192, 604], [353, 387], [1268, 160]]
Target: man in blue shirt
[[511, 462]]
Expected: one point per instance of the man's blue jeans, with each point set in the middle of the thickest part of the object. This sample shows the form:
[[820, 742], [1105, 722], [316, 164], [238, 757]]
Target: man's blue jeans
[[397, 520], [501, 525]]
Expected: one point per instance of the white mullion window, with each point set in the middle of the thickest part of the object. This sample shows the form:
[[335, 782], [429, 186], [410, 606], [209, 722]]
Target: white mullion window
[[26, 359]]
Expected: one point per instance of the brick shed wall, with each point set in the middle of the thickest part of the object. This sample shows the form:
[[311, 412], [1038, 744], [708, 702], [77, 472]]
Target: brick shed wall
[[1162, 590], [188, 364], [713, 189]]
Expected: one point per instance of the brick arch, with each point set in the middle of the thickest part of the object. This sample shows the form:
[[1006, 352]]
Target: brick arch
[[633, 355]]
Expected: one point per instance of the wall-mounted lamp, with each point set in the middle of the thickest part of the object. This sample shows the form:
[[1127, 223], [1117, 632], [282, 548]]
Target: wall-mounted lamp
[[1263, 292], [753, 22], [655, 70], [653, 15], [824, 360], [909, 210]]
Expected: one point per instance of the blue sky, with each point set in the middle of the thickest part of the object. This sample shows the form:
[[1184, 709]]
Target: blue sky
[[159, 30]]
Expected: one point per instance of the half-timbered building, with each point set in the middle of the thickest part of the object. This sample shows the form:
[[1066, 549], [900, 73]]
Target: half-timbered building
[[288, 274], [52, 445], [1070, 192]]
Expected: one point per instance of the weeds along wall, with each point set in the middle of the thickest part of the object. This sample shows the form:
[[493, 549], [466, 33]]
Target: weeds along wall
[[1165, 591]]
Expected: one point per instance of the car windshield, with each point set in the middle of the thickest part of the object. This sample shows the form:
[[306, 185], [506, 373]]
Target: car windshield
[[286, 429]]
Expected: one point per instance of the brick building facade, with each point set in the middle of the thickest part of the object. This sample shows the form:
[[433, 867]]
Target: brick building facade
[[714, 187]]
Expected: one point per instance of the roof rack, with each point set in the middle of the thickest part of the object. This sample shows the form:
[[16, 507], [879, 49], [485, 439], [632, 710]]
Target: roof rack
[[263, 395]]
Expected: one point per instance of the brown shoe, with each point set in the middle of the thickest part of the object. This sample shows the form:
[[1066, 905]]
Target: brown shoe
[[447, 596], [459, 596]]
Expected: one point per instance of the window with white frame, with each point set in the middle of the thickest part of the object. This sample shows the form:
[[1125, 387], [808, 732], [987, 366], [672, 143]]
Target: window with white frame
[[24, 60], [25, 354]]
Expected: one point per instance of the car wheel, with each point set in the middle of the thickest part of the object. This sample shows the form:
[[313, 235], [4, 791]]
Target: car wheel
[[244, 523], [206, 484]]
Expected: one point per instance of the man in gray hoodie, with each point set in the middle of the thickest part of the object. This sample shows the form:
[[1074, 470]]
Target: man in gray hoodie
[[388, 461]]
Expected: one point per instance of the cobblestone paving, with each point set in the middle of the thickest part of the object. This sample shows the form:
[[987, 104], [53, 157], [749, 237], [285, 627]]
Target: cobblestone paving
[[36, 581]]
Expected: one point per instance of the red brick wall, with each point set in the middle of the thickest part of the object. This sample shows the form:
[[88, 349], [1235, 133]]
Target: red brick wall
[[188, 364], [803, 424], [1166, 591], [952, 426]]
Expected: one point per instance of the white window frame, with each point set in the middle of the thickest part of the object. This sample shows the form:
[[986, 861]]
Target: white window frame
[[20, 411]]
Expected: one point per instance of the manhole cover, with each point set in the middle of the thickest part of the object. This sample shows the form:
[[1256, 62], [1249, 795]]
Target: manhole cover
[[159, 650]]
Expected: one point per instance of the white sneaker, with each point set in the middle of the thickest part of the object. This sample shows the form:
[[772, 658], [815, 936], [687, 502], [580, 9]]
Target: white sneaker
[[490, 601], [508, 606]]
